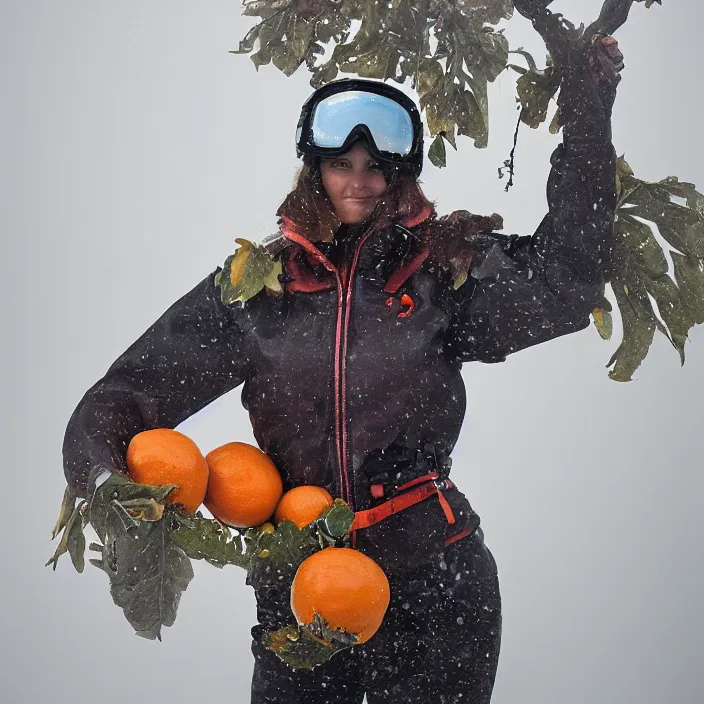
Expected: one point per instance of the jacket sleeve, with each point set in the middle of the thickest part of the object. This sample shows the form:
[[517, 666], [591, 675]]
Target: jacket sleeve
[[191, 355], [522, 291]]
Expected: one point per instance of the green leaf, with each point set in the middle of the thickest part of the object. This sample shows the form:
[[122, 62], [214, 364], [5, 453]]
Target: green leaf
[[535, 89], [71, 539], [207, 539], [67, 506], [264, 8], [676, 317], [77, 541], [335, 523], [147, 570], [278, 554], [638, 240], [118, 495], [436, 153], [288, 545], [144, 509], [689, 275], [305, 647], [638, 330], [641, 269], [681, 226], [603, 322], [299, 36], [250, 270], [392, 42]]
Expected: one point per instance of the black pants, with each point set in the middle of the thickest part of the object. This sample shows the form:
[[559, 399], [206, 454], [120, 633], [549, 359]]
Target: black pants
[[439, 642]]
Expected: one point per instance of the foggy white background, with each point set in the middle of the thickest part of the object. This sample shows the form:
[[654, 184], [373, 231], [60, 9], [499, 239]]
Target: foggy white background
[[135, 149]]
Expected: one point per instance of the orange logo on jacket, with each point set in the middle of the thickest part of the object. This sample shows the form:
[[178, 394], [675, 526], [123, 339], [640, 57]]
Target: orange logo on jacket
[[406, 301]]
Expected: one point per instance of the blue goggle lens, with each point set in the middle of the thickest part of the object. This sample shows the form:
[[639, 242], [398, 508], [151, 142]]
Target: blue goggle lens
[[388, 122]]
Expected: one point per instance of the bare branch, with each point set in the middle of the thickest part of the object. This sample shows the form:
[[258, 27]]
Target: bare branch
[[561, 37], [614, 14], [558, 35], [532, 9]]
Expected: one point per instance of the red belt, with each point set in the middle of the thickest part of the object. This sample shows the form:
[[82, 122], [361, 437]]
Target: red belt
[[421, 489]]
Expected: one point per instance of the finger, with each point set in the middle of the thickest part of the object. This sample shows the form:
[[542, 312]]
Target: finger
[[604, 69], [613, 53], [607, 61]]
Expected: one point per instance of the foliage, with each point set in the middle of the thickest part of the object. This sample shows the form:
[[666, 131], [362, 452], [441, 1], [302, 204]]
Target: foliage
[[449, 52], [146, 549], [304, 647], [641, 273], [248, 271]]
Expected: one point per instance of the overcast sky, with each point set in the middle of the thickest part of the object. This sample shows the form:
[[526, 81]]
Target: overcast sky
[[135, 150]]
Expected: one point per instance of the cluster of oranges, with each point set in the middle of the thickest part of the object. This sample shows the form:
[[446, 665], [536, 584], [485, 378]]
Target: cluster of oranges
[[236, 482], [241, 487]]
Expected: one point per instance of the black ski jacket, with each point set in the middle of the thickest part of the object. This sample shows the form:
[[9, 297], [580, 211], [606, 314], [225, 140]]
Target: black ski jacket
[[352, 375]]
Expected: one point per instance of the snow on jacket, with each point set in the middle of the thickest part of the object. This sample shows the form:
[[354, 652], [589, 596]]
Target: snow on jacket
[[351, 376]]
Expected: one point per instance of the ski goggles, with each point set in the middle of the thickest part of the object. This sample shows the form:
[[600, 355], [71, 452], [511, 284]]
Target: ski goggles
[[344, 112]]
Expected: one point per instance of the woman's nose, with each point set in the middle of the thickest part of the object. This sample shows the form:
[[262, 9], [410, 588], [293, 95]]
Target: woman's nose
[[360, 180]]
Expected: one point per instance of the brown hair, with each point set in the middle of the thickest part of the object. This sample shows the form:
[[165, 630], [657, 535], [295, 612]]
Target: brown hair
[[310, 208]]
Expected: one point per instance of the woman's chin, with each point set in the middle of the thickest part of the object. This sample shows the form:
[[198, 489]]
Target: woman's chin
[[354, 215]]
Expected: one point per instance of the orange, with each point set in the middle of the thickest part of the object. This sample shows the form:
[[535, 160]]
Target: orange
[[302, 505], [165, 456], [244, 486], [347, 588]]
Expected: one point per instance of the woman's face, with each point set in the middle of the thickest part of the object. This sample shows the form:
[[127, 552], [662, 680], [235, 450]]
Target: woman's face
[[354, 183]]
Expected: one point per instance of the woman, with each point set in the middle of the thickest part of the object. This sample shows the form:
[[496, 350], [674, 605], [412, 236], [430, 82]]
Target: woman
[[352, 373]]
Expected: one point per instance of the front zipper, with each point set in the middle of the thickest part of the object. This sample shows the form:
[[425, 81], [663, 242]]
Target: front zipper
[[345, 286], [345, 281]]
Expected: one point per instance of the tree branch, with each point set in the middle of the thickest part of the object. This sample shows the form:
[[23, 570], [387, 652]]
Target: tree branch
[[532, 9], [552, 28], [561, 37], [613, 15]]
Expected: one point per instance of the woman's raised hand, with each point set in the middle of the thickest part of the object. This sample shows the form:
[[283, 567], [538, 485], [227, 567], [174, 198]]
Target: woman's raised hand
[[605, 59]]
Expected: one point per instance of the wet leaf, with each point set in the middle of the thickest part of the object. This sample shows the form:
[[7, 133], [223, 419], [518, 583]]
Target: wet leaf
[[638, 330], [603, 322], [148, 571], [436, 153], [112, 495], [207, 539], [676, 317], [247, 272], [67, 505], [77, 541], [305, 647], [638, 240], [641, 270], [535, 89], [393, 42], [287, 546], [336, 521], [71, 540], [689, 275], [147, 509]]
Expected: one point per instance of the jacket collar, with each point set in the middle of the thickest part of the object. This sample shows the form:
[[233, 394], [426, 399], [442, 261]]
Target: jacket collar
[[393, 243], [292, 232]]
